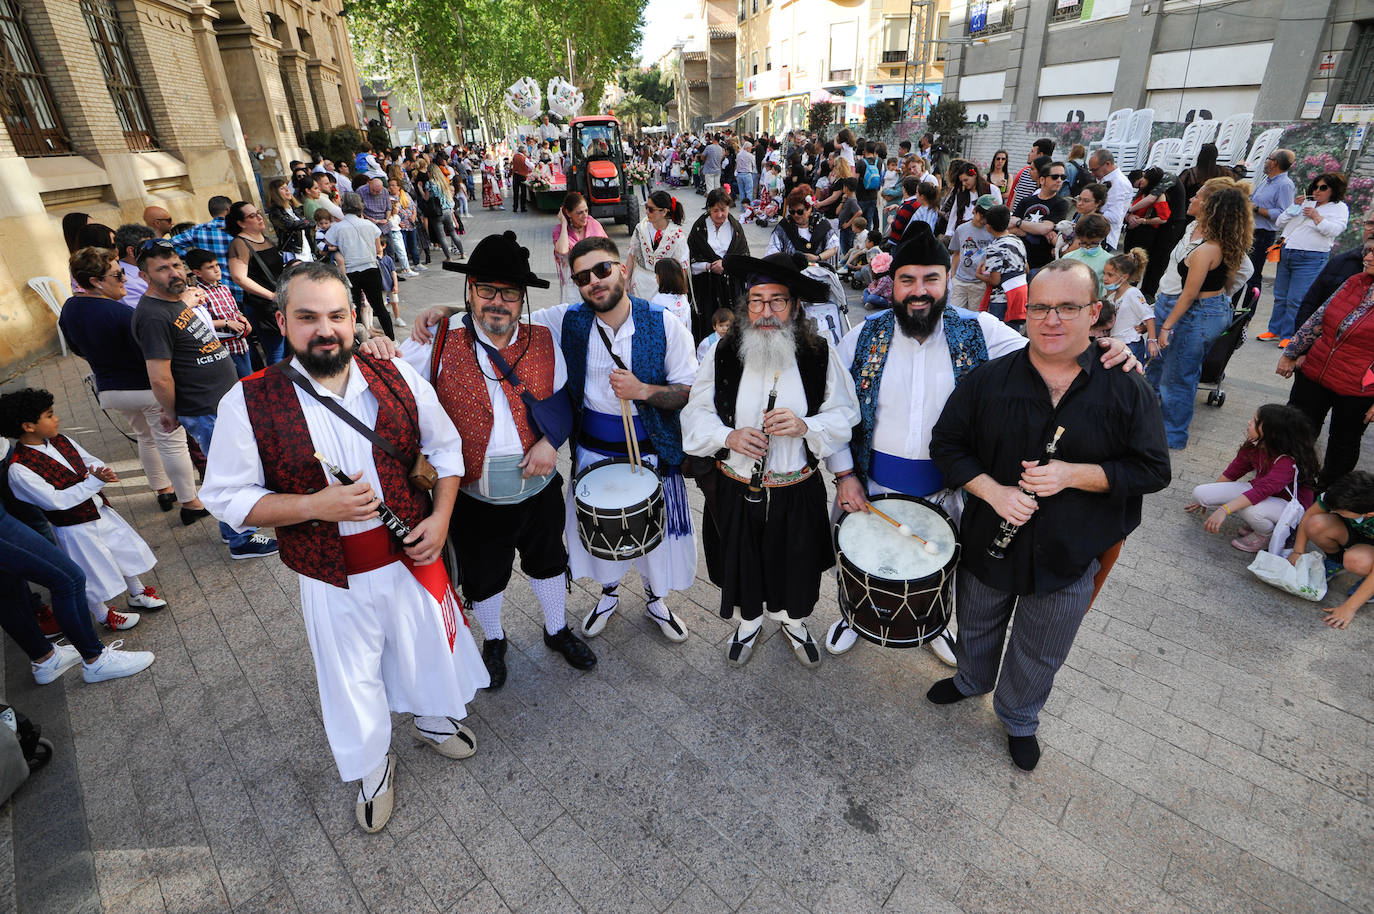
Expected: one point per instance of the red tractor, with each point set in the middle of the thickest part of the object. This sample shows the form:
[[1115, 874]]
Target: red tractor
[[598, 170]]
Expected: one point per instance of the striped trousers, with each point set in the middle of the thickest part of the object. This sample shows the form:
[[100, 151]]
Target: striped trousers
[[1040, 641]]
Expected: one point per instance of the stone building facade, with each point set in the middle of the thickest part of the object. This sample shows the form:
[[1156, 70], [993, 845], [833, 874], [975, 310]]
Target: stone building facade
[[112, 105]]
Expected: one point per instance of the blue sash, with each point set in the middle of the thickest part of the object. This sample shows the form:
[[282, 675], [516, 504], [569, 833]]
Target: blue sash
[[610, 429], [910, 477]]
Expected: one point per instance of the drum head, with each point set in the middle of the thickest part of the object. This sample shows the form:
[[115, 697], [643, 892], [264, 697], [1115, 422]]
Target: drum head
[[882, 551], [614, 483]]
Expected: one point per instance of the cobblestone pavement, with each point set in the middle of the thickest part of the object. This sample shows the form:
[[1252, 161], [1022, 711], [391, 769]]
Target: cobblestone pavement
[[1209, 747]]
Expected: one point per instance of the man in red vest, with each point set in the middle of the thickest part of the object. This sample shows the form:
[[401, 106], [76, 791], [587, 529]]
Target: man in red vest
[[483, 363], [383, 622]]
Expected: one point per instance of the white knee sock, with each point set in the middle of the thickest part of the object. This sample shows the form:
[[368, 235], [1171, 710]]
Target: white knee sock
[[373, 782], [98, 609], [435, 729], [488, 612], [608, 599], [749, 626], [553, 599], [134, 585]]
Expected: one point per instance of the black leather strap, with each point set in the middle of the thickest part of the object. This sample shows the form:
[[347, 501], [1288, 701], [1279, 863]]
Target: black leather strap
[[333, 406]]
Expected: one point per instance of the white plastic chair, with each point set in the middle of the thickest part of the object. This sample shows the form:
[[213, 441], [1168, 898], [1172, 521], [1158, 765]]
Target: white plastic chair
[[1260, 150], [1232, 137], [1163, 151], [1115, 132], [1136, 142], [1194, 135], [1209, 130], [48, 289]]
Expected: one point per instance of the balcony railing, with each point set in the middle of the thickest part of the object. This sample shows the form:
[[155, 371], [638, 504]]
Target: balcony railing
[[894, 56], [1066, 11], [841, 76], [980, 24]]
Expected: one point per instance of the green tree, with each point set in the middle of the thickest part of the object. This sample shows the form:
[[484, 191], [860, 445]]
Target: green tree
[[821, 115], [652, 85], [947, 119]]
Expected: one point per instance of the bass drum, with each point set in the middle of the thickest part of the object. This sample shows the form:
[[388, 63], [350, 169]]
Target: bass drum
[[892, 591]]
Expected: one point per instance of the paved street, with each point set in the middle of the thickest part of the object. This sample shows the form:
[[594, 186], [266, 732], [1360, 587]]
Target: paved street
[[1209, 746]]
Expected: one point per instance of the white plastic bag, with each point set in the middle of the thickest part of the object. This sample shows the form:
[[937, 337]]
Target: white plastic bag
[[1307, 579]]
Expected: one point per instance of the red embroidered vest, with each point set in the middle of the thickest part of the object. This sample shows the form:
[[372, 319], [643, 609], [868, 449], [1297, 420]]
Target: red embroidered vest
[[1339, 365], [462, 388], [314, 548], [59, 477]]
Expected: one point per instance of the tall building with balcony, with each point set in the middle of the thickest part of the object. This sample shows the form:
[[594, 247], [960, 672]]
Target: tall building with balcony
[[791, 53]]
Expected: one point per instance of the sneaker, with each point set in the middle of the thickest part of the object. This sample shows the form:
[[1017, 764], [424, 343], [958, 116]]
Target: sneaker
[[410, 274], [258, 545], [420, 267], [841, 637], [114, 663], [117, 621], [398, 321], [63, 658], [148, 601], [1333, 566], [1283, 343], [47, 622], [1251, 542], [1266, 336], [942, 646]]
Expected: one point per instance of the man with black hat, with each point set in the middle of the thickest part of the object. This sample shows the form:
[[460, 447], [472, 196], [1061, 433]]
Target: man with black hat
[[905, 363], [486, 365], [769, 403]]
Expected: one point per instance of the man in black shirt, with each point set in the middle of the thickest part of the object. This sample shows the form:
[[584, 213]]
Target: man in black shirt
[[1035, 217], [994, 439]]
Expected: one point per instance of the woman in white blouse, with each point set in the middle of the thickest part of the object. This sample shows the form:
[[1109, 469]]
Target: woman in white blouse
[[659, 235], [714, 235], [1310, 227]]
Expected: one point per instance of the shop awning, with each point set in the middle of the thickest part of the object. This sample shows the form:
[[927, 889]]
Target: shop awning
[[734, 114]]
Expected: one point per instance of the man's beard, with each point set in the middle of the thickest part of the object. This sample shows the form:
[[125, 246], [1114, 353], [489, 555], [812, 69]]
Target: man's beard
[[495, 324], [768, 350], [920, 326], [616, 294], [323, 365]]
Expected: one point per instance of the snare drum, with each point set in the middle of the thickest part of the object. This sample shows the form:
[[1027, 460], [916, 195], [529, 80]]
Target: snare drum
[[620, 512], [892, 591]]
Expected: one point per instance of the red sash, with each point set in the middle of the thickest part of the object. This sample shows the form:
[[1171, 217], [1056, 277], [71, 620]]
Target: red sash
[[377, 548]]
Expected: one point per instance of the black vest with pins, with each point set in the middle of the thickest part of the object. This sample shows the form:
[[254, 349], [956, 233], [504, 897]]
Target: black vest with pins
[[812, 362]]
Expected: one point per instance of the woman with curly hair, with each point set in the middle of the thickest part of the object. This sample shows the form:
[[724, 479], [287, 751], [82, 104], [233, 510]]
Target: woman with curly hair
[[1192, 307], [803, 230]]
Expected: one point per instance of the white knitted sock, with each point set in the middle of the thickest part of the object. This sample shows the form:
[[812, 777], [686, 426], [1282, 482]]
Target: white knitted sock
[[372, 783], [435, 729], [488, 612], [134, 584], [98, 609], [553, 599]]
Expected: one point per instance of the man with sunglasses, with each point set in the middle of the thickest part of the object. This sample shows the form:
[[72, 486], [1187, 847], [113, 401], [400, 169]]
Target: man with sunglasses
[[1035, 217], [482, 363], [1056, 452], [770, 402]]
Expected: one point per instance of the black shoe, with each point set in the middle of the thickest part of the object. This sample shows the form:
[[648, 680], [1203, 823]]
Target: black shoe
[[1025, 751], [578, 655], [494, 656], [166, 500], [945, 692], [190, 515]]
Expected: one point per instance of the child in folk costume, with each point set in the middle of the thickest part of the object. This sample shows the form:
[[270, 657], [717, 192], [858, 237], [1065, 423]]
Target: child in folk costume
[[491, 184], [61, 478], [658, 236], [672, 291]]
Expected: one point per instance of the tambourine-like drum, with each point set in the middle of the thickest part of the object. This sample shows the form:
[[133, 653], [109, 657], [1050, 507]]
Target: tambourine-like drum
[[892, 591], [620, 512]]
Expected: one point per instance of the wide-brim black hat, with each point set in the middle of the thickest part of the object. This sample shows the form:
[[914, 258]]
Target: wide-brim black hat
[[785, 269], [500, 258]]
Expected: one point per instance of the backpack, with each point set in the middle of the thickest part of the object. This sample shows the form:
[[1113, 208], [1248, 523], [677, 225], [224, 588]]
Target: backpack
[[873, 178], [1082, 178], [360, 163]]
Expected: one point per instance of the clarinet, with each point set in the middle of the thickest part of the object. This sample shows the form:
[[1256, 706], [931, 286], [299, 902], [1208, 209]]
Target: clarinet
[[1007, 532], [755, 493], [399, 528]]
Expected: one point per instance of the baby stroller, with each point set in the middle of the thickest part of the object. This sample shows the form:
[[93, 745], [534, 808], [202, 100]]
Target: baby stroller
[[1232, 338], [831, 316]]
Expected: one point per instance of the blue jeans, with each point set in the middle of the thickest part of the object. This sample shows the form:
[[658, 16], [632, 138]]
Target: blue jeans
[[243, 364], [1176, 370], [26, 556], [202, 428], [746, 185], [1294, 277]]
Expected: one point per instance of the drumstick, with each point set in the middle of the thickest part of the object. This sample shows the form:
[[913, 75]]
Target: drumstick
[[631, 443], [904, 529]]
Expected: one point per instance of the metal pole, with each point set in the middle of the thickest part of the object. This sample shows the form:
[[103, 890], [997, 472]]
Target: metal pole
[[906, 64], [418, 90], [567, 39]]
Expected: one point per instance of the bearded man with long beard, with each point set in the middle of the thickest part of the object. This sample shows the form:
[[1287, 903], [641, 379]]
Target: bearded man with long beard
[[905, 363], [380, 614], [768, 404]]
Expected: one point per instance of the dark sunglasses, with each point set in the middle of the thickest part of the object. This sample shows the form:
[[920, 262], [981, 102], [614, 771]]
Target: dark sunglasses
[[800, 212], [1056, 177], [600, 271], [1323, 187]]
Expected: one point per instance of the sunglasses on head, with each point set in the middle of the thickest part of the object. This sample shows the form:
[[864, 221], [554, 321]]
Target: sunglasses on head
[[600, 271], [156, 244]]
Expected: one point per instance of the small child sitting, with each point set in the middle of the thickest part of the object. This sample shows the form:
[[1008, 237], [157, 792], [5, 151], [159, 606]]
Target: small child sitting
[[723, 321], [879, 291], [231, 326], [859, 254], [1340, 523], [672, 290], [1279, 445], [61, 478]]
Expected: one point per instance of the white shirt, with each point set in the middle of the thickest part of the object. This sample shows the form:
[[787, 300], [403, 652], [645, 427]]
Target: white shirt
[[676, 305], [1119, 195], [234, 479], [356, 239], [917, 380], [505, 437], [30, 487], [719, 238], [703, 433], [1302, 234], [680, 361], [1132, 310]]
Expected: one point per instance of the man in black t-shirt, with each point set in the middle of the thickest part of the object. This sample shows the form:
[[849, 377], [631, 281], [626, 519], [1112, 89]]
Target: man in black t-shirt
[[1035, 217], [189, 368]]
